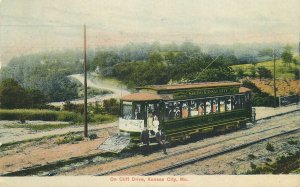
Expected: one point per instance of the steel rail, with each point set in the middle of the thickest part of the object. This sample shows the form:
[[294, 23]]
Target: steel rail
[[226, 150], [183, 151]]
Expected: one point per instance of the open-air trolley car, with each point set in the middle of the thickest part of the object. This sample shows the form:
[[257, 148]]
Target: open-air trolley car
[[185, 110]]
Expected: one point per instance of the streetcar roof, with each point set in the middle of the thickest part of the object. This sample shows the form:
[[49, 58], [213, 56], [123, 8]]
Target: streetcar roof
[[190, 85], [244, 89], [141, 97]]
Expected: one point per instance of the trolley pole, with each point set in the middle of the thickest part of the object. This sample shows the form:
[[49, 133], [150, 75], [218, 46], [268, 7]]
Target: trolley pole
[[274, 78], [85, 88]]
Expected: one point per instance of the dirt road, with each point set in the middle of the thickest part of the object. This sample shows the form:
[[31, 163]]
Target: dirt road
[[116, 87]]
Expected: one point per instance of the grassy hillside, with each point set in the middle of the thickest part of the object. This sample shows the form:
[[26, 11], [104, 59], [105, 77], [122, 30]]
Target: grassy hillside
[[283, 70]]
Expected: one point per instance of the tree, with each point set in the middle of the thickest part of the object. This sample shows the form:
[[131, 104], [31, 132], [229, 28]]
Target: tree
[[287, 56], [155, 57], [240, 73], [12, 94], [111, 106], [297, 74], [35, 98], [253, 71], [263, 72], [266, 52]]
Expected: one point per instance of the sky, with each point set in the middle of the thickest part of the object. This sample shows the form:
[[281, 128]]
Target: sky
[[31, 25]]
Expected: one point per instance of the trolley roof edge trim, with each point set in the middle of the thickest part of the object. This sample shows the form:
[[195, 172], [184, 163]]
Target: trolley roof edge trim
[[189, 86]]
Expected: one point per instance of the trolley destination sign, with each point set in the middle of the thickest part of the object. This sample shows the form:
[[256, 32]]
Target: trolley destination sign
[[204, 92]]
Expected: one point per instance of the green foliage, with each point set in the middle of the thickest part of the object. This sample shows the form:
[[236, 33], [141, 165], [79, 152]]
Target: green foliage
[[12, 95], [253, 166], [270, 147], [38, 127], [93, 136], [77, 108], [287, 55], [111, 106], [45, 115], [263, 72], [251, 156], [69, 139], [292, 142], [155, 57], [266, 52], [297, 74], [282, 165], [282, 70], [239, 73], [101, 118], [253, 71], [46, 73], [141, 73], [259, 98], [214, 75]]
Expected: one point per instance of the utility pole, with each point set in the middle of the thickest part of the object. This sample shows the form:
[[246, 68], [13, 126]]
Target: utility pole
[[85, 88], [274, 79]]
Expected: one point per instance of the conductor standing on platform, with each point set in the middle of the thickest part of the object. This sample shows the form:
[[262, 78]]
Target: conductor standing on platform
[[145, 141], [160, 137]]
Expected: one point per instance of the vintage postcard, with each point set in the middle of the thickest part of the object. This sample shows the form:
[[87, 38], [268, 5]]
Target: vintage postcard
[[150, 93]]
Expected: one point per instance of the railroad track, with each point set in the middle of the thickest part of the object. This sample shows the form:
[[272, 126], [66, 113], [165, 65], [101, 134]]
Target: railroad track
[[172, 165], [43, 168], [196, 159]]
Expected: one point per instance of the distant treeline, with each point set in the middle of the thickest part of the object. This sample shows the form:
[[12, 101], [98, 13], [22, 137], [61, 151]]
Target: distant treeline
[[134, 64]]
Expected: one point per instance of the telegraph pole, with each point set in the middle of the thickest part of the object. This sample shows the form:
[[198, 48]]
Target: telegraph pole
[[85, 88], [274, 77]]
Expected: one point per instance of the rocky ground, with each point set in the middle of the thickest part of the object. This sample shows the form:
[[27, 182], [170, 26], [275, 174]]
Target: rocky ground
[[239, 162]]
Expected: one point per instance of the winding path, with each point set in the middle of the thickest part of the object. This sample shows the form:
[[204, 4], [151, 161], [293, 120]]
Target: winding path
[[116, 87]]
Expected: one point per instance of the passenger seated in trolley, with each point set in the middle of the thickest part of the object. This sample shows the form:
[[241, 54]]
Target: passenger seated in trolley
[[214, 108], [208, 107], [185, 111], [201, 109]]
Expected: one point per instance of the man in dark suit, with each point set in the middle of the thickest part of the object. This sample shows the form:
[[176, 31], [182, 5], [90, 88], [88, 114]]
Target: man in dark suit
[[160, 137], [145, 141]]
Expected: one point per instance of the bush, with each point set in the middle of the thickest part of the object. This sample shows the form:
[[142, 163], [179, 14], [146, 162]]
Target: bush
[[251, 156], [270, 147], [260, 98], [33, 114], [111, 106], [69, 139], [99, 118], [292, 142], [93, 136]]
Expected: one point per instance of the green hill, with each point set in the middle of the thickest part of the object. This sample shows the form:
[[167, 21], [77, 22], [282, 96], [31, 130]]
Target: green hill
[[283, 70]]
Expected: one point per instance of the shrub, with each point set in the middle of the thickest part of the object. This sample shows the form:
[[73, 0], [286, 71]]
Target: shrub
[[251, 156], [69, 139], [260, 98], [270, 147], [292, 142], [253, 166], [34, 114], [93, 136], [99, 118]]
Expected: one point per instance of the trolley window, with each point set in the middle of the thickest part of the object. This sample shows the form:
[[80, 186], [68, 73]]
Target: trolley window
[[172, 110], [127, 110]]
